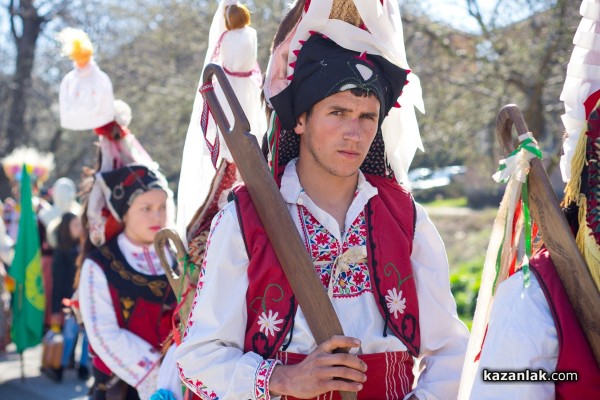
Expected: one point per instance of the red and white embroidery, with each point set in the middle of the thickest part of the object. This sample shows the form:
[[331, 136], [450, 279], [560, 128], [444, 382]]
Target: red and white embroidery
[[201, 274], [197, 386], [324, 248], [262, 377]]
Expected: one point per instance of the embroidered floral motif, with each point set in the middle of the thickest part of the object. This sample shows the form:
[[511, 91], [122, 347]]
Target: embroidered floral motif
[[268, 324], [324, 248], [395, 303], [197, 386], [262, 377]]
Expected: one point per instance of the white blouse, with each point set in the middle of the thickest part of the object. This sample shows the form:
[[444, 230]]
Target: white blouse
[[211, 358], [521, 334], [127, 355]]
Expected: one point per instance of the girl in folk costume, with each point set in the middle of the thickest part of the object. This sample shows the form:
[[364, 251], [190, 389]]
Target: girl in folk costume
[[232, 43], [123, 296], [524, 319], [332, 80]]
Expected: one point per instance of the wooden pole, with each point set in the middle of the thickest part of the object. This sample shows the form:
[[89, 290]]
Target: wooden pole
[[556, 233], [273, 213]]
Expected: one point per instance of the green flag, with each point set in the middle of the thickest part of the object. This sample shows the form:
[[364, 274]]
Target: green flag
[[28, 301]]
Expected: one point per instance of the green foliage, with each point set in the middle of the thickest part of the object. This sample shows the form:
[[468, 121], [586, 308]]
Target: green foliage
[[455, 202], [464, 282]]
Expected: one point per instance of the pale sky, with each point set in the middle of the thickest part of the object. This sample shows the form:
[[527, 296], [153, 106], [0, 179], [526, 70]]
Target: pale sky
[[455, 12]]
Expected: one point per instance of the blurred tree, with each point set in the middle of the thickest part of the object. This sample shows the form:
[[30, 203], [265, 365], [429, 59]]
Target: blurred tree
[[518, 55], [153, 51], [27, 21]]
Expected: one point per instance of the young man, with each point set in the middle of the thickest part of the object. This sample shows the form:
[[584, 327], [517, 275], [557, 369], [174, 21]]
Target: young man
[[380, 259]]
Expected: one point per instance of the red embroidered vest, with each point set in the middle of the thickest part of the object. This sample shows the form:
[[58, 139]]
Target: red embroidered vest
[[390, 219], [144, 304], [574, 352]]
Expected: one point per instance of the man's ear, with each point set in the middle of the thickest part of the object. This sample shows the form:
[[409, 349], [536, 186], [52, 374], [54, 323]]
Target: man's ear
[[300, 124]]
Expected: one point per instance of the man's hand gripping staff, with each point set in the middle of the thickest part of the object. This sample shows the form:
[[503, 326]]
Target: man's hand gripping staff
[[320, 370]]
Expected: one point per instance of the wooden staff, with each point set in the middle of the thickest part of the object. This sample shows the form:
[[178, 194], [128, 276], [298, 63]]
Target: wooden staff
[[273, 213], [179, 281], [556, 233]]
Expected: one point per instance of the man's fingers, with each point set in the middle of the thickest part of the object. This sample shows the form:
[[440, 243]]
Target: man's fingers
[[347, 374], [344, 386], [341, 360], [336, 342]]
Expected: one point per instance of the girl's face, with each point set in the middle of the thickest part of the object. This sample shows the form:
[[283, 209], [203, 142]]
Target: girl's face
[[75, 228], [146, 216]]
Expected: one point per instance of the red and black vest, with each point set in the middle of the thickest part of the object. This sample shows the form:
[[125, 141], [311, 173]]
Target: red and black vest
[[144, 304], [574, 352], [390, 218]]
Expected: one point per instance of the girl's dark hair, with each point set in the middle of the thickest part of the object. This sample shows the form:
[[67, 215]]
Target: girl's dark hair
[[86, 243], [65, 241]]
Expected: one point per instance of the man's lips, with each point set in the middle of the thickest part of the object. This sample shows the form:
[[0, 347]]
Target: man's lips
[[155, 228], [349, 153]]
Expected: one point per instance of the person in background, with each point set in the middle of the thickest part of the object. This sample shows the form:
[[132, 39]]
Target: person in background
[[64, 268]]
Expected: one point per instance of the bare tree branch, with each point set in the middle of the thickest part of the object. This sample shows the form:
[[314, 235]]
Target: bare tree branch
[[12, 12]]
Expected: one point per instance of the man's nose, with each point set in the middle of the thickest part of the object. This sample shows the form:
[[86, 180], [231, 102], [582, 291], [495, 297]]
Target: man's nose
[[352, 131]]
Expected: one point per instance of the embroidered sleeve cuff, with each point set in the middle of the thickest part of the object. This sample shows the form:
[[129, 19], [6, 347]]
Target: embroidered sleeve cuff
[[262, 377]]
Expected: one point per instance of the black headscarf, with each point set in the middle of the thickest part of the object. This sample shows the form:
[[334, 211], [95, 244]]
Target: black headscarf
[[323, 68], [121, 186]]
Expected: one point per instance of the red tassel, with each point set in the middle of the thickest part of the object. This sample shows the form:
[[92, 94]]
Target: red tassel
[[312, 32], [289, 78], [296, 52], [302, 42], [293, 64], [397, 105]]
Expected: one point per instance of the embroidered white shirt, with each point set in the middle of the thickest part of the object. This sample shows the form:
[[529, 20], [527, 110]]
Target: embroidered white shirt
[[211, 358], [127, 355], [521, 334]]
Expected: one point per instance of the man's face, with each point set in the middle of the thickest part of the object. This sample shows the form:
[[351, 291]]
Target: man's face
[[338, 134]]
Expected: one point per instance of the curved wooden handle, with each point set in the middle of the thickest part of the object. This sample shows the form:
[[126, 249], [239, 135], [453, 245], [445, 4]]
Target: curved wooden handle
[[160, 244], [556, 233]]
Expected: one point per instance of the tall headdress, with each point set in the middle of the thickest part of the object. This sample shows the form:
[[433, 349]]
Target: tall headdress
[[87, 102], [580, 163], [236, 51], [372, 28], [39, 165]]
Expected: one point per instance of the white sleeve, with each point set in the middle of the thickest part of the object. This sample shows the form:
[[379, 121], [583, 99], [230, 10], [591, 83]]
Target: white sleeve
[[211, 358], [127, 355], [168, 377], [521, 334], [443, 336]]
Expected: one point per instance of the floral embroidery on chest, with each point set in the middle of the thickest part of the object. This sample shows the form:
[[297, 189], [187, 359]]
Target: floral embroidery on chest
[[146, 261], [324, 248]]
